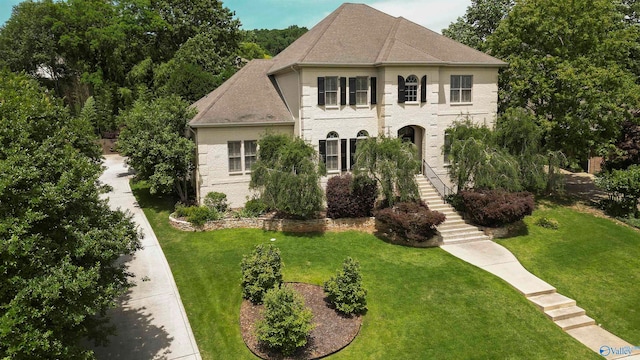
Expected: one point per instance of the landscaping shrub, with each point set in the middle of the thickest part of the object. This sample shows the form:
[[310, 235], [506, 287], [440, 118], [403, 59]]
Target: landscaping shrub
[[547, 223], [287, 323], [199, 215], [411, 220], [256, 207], [196, 215], [349, 197], [261, 271], [497, 207], [345, 290], [216, 200]]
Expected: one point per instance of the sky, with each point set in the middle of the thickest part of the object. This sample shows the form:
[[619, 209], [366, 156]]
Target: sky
[[279, 14]]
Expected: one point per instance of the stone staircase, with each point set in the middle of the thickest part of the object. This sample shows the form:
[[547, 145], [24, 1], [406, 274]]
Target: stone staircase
[[454, 230], [560, 309]]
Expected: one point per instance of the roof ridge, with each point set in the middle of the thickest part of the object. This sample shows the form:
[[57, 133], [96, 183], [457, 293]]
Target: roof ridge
[[313, 44], [388, 44]]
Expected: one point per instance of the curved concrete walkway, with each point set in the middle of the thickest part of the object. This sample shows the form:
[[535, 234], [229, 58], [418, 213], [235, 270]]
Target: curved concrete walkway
[[496, 259], [151, 321]]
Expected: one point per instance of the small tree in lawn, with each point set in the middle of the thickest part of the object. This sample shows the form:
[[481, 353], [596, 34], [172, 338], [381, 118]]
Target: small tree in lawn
[[393, 164], [287, 323], [261, 271], [345, 290]]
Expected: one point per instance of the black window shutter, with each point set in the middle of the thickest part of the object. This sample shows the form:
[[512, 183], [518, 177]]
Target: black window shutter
[[343, 154], [352, 91], [352, 146], [320, 91], [423, 89], [343, 91], [322, 150], [400, 90], [374, 89]]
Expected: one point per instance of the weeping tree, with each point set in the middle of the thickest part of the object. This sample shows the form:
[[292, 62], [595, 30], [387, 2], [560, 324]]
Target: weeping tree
[[287, 175], [518, 133], [392, 164]]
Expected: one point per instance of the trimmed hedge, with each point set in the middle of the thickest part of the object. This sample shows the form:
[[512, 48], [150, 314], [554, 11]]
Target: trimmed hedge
[[495, 208], [411, 220], [349, 197]]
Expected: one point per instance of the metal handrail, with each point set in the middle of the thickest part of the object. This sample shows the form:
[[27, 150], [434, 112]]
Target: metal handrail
[[435, 180]]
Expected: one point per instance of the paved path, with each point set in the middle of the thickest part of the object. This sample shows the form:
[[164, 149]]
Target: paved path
[[151, 321], [496, 259]]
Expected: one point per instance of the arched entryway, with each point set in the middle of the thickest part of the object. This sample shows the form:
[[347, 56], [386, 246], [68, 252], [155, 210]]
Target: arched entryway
[[414, 134]]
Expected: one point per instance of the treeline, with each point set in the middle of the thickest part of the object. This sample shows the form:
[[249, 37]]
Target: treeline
[[111, 53], [573, 65]]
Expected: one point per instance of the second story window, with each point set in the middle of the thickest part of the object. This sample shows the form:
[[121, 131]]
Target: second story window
[[461, 86], [361, 90], [331, 91], [411, 88]]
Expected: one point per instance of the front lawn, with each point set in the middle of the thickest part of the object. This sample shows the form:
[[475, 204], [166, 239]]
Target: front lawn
[[590, 259], [423, 303]]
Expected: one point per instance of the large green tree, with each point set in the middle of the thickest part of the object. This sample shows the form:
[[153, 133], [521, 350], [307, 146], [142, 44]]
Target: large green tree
[[392, 164], [481, 20], [155, 144], [568, 64], [287, 175], [59, 241]]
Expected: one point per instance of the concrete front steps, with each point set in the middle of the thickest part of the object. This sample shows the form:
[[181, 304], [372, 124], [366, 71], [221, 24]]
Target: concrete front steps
[[454, 230], [470, 244], [562, 311]]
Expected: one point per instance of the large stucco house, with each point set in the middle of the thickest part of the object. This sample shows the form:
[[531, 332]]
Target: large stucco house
[[359, 72]]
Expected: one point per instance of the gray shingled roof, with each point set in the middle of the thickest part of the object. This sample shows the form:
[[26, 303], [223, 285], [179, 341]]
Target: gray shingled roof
[[357, 34], [248, 97]]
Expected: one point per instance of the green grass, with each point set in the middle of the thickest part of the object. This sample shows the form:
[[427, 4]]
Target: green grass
[[592, 260], [423, 303]]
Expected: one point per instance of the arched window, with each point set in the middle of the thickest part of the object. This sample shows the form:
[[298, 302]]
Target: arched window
[[333, 151], [363, 134], [411, 88]]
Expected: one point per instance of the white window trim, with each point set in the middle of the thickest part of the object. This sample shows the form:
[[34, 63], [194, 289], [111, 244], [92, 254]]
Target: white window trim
[[365, 91], [406, 88], [460, 89], [242, 156], [333, 139], [337, 92]]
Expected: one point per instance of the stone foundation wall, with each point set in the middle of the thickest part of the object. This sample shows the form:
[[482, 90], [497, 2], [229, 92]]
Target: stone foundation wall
[[367, 225]]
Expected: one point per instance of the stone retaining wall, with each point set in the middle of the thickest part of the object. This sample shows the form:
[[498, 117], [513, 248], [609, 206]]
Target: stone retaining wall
[[367, 225]]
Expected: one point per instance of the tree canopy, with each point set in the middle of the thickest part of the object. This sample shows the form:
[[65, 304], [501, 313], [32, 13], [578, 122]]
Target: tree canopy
[[155, 144], [568, 65], [287, 174], [59, 240], [480, 20]]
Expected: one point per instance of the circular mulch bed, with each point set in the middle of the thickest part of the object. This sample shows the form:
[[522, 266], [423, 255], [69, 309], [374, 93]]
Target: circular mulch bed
[[331, 333]]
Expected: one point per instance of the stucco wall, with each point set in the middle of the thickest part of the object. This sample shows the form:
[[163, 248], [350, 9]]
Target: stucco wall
[[213, 162]]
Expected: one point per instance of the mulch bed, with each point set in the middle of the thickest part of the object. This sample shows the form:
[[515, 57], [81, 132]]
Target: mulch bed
[[332, 331]]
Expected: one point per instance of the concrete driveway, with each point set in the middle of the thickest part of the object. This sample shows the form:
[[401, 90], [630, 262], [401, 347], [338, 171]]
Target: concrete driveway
[[151, 321]]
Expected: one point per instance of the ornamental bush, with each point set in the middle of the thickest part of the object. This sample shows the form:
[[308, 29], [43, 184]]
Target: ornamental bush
[[287, 323], [255, 207], [197, 215], [411, 220], [216, 200], [345, 290], [349, 197], [497, 207], [261, 271]]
